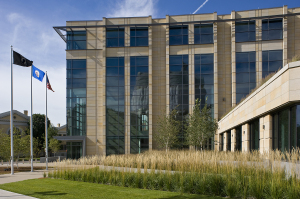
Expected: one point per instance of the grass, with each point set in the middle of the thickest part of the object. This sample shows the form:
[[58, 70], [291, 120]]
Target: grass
[[55, 188]]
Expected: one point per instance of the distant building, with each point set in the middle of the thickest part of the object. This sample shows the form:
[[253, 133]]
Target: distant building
[[20, 120]]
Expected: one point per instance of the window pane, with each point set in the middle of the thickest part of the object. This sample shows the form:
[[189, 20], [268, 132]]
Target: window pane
[[197, 39], [185, 39], [275, 65], [196, 29], [275, 34], [79, 35], [111, 32], [175, 40], [275, 55], [112, 81], [206, 28], [275, 24], [207, 68], [175, 60], [176, 30], [241, 26], [241, 36], [252, 67], [207, 59], [111, 61], [79, 63], [142, 41], [176, 69], [142, 70], [252, 36], [265, 35], [242, 78], [141, 61], [79, 73], [142, 32], [253, 77], [112, 42], [112, 71], [265, 55], [111, 91], [252, 26], [239, 97], [242, 67], [121, 42], [242, 88], [197, 69], [69, 73], [69, 83], [207, 89], [242, 57], [132, 41], [79, 92], [79, 83], [207, 39], [265, 24], [207, 79]]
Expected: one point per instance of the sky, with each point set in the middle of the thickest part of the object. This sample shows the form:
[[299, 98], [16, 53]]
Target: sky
[[28, 27]]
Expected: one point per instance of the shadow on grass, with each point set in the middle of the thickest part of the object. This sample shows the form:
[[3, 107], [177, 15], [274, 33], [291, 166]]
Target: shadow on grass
[[50, 193]]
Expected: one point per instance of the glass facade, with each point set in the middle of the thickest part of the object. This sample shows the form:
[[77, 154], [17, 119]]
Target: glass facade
[[203, 34], [245, 74], [179, 89], [271, 62], [76, 97], [115, 106], [244, 31], [139, 36], [204, 80], [76, 40], [178, 35], [286, 129], [115, 37], [238, 138], [254, 135], [228, 141], [272, 29], [74, 150], [139, 104]]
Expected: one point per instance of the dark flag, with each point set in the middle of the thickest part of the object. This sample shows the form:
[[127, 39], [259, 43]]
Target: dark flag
[[20, 60], [48, 83]]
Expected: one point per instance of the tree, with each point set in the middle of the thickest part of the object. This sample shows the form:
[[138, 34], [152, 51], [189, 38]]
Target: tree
[[168, 130], [54, 145], [200, 126], [52, 131], [36, 147], [21, 143], [4, 146]]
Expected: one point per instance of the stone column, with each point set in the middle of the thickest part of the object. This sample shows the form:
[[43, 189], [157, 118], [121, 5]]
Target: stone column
[[246, 138], [216, 96], [265, 134], [167, 67], [284, 39], [225, 135], [233, 139], [233, 64], [150, 81]]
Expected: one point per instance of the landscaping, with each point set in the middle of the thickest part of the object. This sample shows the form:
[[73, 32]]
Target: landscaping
[[232, 174], [64, 189]]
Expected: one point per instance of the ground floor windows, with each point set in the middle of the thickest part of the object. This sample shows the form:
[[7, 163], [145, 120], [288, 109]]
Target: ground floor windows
[[74, 150], [229, 141], [286, 129], [254, 135], [238, 145]]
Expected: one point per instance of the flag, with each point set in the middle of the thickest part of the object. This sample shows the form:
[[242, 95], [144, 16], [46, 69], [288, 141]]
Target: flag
[[37, 73], [20, 60], [48, 84]]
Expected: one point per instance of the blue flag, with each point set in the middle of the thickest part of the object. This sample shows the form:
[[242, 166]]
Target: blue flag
[[37, 73]]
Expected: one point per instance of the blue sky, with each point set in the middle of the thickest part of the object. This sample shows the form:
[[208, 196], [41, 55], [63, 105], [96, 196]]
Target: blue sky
[[27, 25]]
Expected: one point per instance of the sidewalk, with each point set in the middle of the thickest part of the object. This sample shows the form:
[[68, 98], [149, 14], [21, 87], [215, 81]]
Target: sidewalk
[[8, 194]]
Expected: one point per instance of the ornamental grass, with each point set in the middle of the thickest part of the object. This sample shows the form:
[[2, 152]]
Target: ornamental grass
[[232, 174]]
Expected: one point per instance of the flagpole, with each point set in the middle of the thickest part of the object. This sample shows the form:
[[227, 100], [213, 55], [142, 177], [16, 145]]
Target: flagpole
[[46, 124], [11, 114], [31, 133]]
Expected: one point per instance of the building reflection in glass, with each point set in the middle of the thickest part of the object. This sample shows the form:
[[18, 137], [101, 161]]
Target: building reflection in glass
[[139, 104]]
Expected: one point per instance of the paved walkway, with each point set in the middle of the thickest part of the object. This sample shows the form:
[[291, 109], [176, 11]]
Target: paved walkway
[[8, 194]]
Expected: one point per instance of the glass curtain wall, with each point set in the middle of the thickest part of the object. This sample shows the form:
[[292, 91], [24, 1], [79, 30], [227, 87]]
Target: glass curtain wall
[[178, 35], [139, 104], [203, 34], [271, 62], [286, 129], [204, 80], [76, 97], [76, 40], [179, 90], [74, 150], [254, 135], [115, 95], [245, 74]]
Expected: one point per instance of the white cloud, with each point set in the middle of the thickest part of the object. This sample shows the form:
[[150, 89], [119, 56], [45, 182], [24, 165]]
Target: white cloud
[[37, 41], [133, 8]]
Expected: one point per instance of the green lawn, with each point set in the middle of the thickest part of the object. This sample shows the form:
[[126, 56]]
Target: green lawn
[[55, 188]]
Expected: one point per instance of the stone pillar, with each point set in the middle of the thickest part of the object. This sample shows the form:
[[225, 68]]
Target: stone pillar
[[216, 96], [233, 139], [246, 138], [265, 133], [150, 82], [225, 135], [284, 39], [167, 66]]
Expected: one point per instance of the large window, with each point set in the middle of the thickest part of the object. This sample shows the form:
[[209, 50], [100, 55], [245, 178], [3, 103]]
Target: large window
[[286, 129], [254, 135], [74, 150], [115, 95], [245, 74], [76, 97], [139, 36], [179, 89], [114, 37], [139, 104], [244, 31], [76, 40], [178, 35], [271, 62], [228, 141], [272, 29], [203, 34], [204, 79]]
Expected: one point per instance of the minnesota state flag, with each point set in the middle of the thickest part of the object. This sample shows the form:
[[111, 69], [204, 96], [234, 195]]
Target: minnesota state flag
[[37, 73]]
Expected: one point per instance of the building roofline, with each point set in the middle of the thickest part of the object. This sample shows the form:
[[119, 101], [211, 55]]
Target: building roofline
[[14, 112]]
